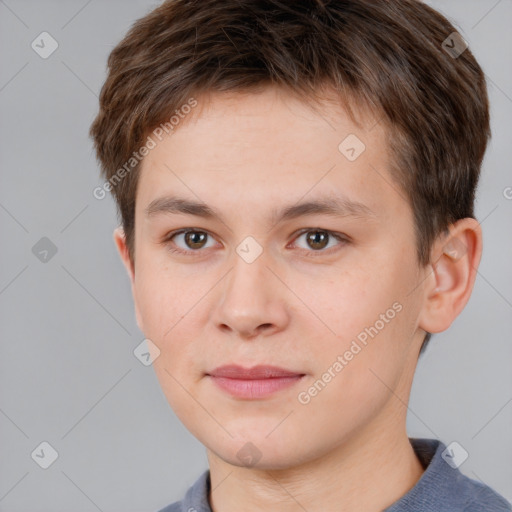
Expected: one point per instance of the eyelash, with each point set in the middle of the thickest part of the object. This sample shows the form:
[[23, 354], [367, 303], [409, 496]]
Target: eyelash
[[194, 253]]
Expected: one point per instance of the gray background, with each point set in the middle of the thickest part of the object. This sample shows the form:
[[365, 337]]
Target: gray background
[[67, 369]]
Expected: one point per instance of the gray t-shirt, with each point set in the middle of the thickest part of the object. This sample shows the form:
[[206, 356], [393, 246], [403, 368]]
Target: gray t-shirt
[[441, 488]]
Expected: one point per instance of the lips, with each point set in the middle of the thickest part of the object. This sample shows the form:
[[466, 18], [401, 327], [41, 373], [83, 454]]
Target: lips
[[255, 373], [258, 382]]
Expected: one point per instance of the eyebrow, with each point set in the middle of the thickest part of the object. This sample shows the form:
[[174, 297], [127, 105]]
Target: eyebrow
[[334, 206]]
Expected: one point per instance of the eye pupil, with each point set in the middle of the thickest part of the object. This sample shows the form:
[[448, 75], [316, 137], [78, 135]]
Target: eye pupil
[[195, 238], [318, 237]]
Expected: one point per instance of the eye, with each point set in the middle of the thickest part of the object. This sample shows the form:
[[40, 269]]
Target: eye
[[318, 239], [192, 239]]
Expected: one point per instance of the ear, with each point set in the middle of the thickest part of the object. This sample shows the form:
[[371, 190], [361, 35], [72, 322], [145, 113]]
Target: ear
[[120, 241], [448, 287]]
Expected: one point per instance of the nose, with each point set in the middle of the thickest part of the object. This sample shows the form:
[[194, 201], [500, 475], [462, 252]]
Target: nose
[[253, 300]]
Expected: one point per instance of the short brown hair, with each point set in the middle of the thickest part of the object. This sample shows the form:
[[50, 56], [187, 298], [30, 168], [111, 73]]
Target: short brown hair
[[387, 55]]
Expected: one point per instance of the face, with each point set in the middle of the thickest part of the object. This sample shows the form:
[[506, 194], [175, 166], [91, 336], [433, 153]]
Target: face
[[330, 291]]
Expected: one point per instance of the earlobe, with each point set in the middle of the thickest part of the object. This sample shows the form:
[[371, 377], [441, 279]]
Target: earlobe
[[456, 258]]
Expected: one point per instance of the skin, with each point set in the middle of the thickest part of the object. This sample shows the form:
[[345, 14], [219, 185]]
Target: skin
[[296, 306]]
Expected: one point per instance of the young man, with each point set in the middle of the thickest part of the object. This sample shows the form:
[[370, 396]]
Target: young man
[[296, 182]]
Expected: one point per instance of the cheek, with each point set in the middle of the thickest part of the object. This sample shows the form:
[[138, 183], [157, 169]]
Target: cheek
[[168, 308], [353, 380], [364, 314], [166, 316], [342, 302], [159, 304]]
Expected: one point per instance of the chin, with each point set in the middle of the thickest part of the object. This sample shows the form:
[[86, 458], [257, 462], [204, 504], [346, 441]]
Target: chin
[[258, 452]]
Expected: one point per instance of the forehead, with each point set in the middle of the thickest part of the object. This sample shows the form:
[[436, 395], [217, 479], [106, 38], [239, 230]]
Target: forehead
[[254, 147], [276, 107]]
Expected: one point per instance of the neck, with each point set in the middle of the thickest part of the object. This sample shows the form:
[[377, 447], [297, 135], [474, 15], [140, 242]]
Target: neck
[[368, 472]]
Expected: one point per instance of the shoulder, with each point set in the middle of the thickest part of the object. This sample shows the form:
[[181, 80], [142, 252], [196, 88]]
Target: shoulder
[[444, 487], [481, 498], [196, 498], [466, 494], [173, 507]]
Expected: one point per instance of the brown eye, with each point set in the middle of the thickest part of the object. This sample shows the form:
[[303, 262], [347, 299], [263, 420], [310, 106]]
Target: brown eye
[[317, 239], [195, 239], [188, 241]]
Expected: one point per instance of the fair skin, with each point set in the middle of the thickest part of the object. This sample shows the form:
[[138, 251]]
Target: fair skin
[[296, 306]]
